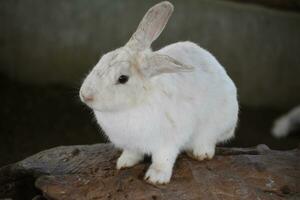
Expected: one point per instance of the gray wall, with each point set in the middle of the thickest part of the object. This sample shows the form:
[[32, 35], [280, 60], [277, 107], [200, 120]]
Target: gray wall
[[58, 41]]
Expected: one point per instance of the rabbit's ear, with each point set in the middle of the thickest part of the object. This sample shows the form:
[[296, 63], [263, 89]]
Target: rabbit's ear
[[158, 63], [151, 26]]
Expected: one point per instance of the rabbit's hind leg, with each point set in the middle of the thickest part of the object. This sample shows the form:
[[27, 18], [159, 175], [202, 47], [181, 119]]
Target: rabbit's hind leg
[[202, 144]]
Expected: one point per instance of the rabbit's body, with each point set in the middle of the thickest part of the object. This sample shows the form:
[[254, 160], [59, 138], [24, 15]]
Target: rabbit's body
[[181, 109], [161, 103]]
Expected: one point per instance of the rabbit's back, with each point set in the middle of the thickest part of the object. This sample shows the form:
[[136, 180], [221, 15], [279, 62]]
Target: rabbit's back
[[208, 83], [192, 54], [208, 89]]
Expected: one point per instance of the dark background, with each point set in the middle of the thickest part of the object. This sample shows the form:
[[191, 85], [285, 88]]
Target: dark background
[[47, 47]]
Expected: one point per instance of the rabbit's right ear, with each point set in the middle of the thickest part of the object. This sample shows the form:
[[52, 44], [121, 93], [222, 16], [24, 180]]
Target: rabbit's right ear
[[157, 63], [151, 26]]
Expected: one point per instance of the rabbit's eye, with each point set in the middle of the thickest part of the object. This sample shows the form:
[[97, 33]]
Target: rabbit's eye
[[123, 79]]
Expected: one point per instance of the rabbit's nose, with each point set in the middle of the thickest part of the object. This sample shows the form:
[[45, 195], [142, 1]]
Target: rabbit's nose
[[86, 97]]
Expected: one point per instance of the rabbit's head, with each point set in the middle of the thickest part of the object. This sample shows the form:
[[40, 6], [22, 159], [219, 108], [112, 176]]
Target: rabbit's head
[[122, 78]]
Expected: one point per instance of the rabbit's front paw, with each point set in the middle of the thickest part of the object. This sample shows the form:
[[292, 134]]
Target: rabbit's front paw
[[202, 153], [128, 159], [155, 175]]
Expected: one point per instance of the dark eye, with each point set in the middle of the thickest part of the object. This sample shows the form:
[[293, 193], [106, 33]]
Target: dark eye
[[123, 79]]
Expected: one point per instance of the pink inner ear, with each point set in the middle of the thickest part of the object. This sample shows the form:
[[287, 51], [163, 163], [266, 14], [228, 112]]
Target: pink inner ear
[[156, 27]]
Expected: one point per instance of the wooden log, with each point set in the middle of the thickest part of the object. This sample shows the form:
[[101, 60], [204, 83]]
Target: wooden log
[[88, 172]]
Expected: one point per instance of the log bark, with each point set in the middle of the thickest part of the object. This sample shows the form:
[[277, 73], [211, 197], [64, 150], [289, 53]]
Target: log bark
[[88, 172]]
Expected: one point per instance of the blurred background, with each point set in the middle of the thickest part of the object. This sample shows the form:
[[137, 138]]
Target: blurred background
[[47, 48]]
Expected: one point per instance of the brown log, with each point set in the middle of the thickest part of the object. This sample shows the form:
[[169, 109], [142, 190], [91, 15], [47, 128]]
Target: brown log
[[88, 172]]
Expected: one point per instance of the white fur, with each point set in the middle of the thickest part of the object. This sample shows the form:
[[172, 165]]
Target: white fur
[[287, 123], [177, 99]]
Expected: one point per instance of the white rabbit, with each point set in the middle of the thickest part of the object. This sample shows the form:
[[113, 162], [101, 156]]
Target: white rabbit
[[286, 123], [161, 103]]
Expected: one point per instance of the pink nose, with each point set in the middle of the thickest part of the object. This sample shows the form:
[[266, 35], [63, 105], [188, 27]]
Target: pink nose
[[86, 97]]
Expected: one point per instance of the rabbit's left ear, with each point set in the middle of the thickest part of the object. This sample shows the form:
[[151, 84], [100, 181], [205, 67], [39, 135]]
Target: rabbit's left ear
[[151, 26], [159, 63]]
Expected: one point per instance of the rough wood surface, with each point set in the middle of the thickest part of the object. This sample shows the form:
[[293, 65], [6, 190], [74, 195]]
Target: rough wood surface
[[88, 172]]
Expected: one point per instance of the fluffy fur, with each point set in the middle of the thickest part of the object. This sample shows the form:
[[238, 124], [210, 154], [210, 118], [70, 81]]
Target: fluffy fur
[[176, 99]]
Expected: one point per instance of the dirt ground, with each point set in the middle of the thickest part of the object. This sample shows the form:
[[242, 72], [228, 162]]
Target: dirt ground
[[34, 118]]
